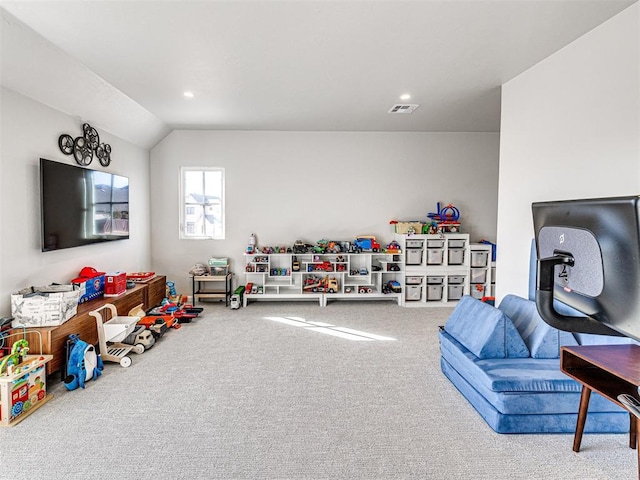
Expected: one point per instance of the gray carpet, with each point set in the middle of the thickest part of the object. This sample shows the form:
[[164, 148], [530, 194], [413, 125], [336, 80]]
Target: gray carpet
[[235, 395]]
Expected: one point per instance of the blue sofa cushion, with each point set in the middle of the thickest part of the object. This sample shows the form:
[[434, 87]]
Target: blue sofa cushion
[[542, 340], [485, 330], [537, 422]]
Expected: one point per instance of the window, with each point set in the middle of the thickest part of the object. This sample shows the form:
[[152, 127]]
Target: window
[[109, 212], [202, 203]]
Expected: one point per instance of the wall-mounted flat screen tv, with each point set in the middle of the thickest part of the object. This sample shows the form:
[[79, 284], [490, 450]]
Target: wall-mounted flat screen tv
[[80, 206]]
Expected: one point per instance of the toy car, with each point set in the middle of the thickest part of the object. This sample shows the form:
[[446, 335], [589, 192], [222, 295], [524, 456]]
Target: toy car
[[141, 336], [334, 247], [235, 302], [324, 266], [300, 247], [367, 243], [392, 287], [393, 247], [156, 325]]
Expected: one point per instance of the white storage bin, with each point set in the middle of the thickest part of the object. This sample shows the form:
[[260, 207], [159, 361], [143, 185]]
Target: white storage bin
[[414, 280], [415, 243], [434, 256], [413, 292], [456, 256], [456, 243], [479, 259], [477, 292], [434, 293], [414, 256], [454, 292], [432, 280], [478, 275], [435, 243], [455, 279]]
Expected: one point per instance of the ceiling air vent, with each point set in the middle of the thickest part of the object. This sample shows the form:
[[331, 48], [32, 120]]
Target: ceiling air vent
[[403, 108]]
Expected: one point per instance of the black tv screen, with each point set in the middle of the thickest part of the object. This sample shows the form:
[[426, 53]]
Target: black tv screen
[[81, 206], [589, 259]]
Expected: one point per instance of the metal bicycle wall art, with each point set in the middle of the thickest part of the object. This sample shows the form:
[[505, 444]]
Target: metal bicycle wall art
[[83, 148]]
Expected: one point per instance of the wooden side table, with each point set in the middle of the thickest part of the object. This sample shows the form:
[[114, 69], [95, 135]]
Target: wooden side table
[[609, 370], [199, 287]]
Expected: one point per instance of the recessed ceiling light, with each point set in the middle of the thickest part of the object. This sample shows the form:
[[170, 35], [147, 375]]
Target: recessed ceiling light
[[189, 94], [405, 96]]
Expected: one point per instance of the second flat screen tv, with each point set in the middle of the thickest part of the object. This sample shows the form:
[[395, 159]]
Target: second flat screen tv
[[80, 206]]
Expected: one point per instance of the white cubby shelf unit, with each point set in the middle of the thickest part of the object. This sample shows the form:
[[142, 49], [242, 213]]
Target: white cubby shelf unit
[[300, 276], [441, 268]]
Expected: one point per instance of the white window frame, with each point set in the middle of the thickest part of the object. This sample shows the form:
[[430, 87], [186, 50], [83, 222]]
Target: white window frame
[[182, 222]]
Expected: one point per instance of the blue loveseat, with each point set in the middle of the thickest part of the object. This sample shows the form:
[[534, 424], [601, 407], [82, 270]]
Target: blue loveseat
[[505, 362]]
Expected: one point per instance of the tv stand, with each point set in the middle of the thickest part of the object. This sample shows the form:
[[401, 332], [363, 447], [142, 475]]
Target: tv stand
[[609, 370], [54, 338]]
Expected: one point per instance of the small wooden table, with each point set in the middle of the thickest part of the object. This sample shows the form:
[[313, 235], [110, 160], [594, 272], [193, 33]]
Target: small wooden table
[[199, 283], [609, 370]]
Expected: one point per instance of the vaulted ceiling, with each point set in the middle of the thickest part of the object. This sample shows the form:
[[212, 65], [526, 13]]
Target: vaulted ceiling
[[282, 65]]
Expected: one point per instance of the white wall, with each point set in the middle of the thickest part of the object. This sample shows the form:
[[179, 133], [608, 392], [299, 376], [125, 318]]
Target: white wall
[[30, 130], [284, 186], [570, 129]]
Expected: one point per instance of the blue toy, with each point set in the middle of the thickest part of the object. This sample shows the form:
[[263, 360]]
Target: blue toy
[[83, 364]]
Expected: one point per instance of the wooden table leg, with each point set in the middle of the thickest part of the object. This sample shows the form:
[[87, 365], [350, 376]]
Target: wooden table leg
[[633, 431], [582, 417]]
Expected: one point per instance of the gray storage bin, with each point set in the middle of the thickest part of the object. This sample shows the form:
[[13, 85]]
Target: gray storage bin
[[435, 280], [415, 243], [413, 280], [456, 256], [479, 259], [455, 279], [414, 256], [434, 256], [435, 243], [456, 243], [477, 293], [454, 292], [413, 292], [478, 275], [434, 292]]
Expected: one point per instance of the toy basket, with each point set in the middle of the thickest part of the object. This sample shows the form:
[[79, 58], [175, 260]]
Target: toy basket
[[119, 328]]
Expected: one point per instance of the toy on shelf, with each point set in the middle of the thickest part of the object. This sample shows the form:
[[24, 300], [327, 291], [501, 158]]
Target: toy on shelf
[[392, 286], [322, 285], [366, 243], [393, 247], [138, 277], [447, 218], [251, 246]]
